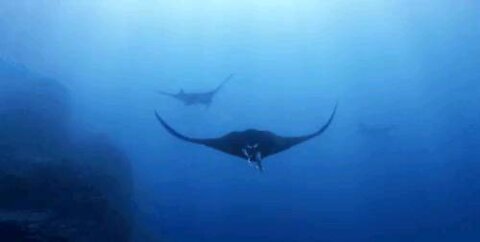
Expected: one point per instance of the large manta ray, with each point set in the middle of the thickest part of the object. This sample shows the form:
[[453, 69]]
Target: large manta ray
[[204, 98], [251, 144]]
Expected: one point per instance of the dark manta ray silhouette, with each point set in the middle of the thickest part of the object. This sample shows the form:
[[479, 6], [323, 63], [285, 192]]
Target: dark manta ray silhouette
[[204, 98], [251, 144]]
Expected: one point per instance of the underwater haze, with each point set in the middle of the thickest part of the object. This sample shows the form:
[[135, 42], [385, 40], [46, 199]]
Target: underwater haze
[[399, 162]]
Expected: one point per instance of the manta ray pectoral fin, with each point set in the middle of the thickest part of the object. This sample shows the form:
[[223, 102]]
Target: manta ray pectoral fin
[[178, 135], [229, 77], [221, 144], [166, 93], [287, 142]]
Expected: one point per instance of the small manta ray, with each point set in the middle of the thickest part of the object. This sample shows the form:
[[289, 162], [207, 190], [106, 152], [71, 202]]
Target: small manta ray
[[376, 130], [251, 144], [204, 98]]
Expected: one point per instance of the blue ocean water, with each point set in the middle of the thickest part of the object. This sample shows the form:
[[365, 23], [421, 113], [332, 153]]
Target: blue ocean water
[[400, 161]]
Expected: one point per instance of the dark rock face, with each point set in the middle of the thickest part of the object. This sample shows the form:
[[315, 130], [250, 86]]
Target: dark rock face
[[52, 187]]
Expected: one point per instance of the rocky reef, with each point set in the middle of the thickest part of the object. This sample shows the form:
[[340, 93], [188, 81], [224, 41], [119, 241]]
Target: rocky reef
[[55, 187]]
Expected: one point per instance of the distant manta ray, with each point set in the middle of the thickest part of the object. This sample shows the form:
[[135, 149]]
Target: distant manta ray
[[204, 98], [251, 144], [376, 130]]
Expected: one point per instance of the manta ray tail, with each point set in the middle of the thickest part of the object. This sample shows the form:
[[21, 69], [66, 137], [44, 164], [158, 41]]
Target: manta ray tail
[[259, 167]]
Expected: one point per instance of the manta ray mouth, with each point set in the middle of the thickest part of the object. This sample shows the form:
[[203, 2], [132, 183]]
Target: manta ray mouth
[[245, 153], [256, 157]]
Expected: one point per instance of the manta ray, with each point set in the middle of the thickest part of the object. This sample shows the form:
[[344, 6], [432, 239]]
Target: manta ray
[[251, 144], [203, 98], [376, 131]]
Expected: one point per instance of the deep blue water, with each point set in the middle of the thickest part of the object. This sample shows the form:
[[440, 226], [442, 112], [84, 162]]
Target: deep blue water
[[399, 163]]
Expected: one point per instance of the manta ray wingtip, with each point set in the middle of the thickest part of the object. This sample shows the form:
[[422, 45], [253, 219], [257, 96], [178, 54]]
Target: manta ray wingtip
[[336, 106], [159, 117], [332, 115]]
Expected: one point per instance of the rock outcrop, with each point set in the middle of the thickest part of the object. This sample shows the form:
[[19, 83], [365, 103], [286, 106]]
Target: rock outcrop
[[52, 186]]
